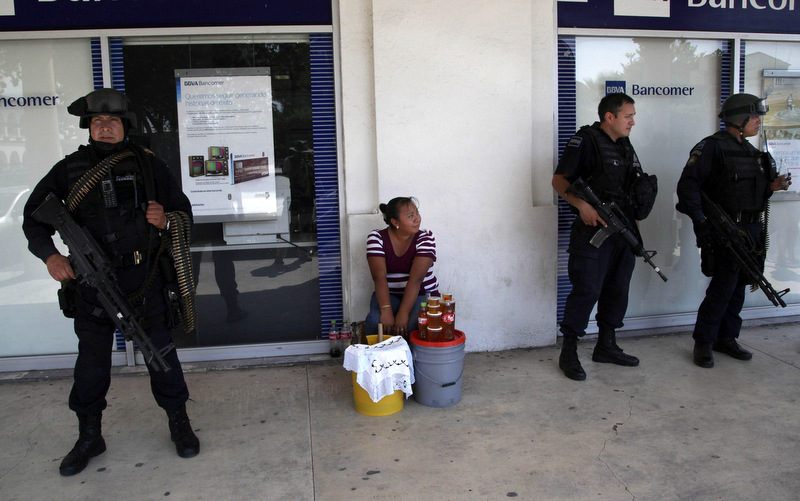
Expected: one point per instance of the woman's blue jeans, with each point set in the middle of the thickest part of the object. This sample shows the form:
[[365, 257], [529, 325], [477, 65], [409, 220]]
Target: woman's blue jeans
[[374, 315]]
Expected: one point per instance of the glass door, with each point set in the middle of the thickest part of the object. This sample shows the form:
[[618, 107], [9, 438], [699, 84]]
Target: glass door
[[258, 281]]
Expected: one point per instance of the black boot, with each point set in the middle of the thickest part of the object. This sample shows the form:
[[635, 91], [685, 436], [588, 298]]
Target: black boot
[[568, 360], [606, 350], [702, 355], [186, 443], [732, 348], [90, 444]]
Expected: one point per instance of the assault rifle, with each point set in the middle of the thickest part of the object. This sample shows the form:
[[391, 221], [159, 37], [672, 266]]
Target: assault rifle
[[616, 222], [93, 268], [741, 247]]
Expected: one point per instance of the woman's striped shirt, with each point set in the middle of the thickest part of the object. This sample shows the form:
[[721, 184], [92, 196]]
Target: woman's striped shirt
[[398, 267]]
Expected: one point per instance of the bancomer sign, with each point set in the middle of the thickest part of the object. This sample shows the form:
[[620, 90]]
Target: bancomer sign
[[744, 4], [613, 86], [27, 101], [748, 16]]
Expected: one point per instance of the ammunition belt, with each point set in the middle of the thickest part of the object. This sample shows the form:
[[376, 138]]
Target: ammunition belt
[[180, 226], [91, 177]]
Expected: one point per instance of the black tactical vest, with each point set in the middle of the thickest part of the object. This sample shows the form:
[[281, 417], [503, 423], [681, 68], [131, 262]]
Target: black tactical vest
[[614, 170], [114, 209], [744, 184]]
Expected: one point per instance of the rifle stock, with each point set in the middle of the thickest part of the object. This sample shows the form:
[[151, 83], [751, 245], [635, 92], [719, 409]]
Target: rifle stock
[[93, 268], [616, 223], [741, 248]]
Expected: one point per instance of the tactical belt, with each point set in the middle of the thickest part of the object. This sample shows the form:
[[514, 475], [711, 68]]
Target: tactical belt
[[129, 259]]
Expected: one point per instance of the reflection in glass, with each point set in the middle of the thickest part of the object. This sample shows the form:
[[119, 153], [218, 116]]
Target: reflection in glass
[[667, 127], [247, 293], [254, 296], [782, 129], [32, 139]]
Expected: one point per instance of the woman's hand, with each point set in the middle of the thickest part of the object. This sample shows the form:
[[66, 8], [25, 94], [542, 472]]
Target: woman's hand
[[400, 327], [387, 320]]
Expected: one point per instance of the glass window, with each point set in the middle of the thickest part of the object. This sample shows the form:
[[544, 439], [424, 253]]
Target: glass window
[[772, 70], [38, 80], [267, 291], [676, 84]]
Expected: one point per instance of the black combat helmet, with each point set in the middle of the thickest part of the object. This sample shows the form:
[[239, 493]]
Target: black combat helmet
[[103, 102], [739, 107]]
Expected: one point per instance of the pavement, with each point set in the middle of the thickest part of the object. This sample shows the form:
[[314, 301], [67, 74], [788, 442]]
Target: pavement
[[288, 430]]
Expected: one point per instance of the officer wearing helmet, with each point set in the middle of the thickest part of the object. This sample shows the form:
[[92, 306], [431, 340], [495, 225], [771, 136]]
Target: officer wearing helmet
[[740, 179], [122, 194]]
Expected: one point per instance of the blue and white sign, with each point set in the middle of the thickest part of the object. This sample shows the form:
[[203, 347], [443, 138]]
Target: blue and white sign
[[748, 16], [24, 15], [649, 89], [616, 86]]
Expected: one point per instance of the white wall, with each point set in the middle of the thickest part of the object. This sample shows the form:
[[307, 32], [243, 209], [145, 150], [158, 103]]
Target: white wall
[[451, 101]]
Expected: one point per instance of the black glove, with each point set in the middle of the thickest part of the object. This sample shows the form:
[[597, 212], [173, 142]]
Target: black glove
[[704, 233]]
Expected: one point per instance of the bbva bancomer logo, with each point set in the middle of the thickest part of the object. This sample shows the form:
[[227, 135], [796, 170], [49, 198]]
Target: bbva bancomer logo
[[216, 83], [614, 86]]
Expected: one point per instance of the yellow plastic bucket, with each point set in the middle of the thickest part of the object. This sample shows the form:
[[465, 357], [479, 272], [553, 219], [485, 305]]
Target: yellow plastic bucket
[[390, 404]]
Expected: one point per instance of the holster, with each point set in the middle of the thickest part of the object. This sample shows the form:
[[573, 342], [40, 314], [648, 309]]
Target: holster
[[67, 298]]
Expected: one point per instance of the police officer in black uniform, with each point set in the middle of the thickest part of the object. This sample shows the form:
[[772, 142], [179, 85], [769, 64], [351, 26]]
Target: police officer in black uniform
[[125, 211], [601, 155], [737, 176]]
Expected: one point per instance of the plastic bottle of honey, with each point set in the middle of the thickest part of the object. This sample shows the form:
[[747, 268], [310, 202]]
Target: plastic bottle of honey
[[434, 319]]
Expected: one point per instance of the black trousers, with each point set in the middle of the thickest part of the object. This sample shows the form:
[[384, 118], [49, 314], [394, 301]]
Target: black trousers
[[599, 276], [92, 374], [718, 315]]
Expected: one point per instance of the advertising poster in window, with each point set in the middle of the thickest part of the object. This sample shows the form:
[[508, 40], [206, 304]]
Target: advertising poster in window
[[226, 143], [782, 122]]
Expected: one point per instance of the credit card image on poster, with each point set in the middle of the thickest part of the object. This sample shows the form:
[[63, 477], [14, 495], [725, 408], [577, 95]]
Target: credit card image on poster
[[248, 169]]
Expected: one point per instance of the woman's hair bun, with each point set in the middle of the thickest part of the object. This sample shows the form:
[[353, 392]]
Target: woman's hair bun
[[391, 209]]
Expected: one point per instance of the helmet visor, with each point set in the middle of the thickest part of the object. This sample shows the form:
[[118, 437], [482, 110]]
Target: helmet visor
[[761, 107], [100, 102]]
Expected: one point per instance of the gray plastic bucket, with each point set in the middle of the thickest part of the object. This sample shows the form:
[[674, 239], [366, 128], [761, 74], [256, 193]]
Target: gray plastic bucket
[[438, 368]]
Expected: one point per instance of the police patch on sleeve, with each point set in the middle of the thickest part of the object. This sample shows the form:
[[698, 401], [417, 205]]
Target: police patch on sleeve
[[698, 148], [575, 142]]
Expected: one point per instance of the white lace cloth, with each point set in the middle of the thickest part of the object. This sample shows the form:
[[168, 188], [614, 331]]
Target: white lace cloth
[[381, 368]]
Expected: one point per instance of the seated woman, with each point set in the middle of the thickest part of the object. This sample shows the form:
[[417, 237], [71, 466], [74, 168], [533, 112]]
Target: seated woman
[[400, 258]]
